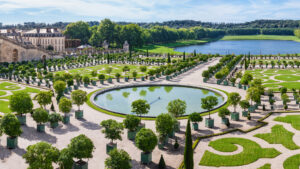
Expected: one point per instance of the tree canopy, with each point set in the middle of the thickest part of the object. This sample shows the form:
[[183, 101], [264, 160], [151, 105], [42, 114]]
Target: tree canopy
[[21, 103], [176, 107]]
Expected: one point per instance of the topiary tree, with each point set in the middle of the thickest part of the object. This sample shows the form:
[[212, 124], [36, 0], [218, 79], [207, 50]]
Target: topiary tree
[[176, 107], [40, 116], [65, 159], [112, 129], [223, 112], [21, 103], [140, 107], [253, 95], [209, 103], [161, 164], [65, 106], [146, 141], [244, 105], [11, 126], [79, 97], [164, 125], [59, 87], [44, 98], [188, 149], [195, 118], [118, 159], [54, 118], [81, 147], [41, 155], [234, 99], [131, 122]]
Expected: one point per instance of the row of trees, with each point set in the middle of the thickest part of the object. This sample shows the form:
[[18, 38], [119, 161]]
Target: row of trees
[[117, 34]]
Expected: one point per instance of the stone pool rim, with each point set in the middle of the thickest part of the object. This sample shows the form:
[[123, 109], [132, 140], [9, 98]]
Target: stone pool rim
[[104, 90]]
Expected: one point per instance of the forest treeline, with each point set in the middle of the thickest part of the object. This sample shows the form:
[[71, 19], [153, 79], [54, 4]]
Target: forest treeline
[[136, 35]]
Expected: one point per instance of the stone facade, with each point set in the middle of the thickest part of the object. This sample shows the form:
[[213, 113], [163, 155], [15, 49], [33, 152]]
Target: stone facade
[[12, 51], [46, 37]]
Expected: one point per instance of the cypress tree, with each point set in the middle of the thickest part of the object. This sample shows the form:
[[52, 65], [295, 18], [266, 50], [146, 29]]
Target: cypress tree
[[188, 149], [147, 53], [169, 58], [183, 56], [161, 164], [195, 53]]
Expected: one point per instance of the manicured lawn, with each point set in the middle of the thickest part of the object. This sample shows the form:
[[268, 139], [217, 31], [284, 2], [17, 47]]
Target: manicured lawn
[[261, 37], [279, 135], [266, 166], [4, 100], [4, 106], [8, 86], [116, 68], [169, 47], [282, 78], [251, 153], [292, 162], [294, 120]]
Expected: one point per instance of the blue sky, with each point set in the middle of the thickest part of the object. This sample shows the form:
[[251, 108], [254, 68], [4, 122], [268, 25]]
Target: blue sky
[[19, 11]]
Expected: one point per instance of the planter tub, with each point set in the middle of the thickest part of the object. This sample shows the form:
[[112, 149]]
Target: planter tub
[[66, 91], [66, 119], [80, 165], [22, 119], [75, 87], [53, 124], [109, 80], [233, 84], [251, 109], [245, 87], [143, 78], [225, 83], [218, 82], [225, 121], [94, 83], [131, 135], [118, 79], [177, 126], [167, 77], [40, 128], [79, 114], [240, 86], [172, 134], [12, 142], [245, 113], [146, 158], [235, 116], [134, 78], [86, 85], [102, 82], [205, 80], [126, 79], [209, 123], [152, 78], [195, 126], [110, 146], [142, 125]]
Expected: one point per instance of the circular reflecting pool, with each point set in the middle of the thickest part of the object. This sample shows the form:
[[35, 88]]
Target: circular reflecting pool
[[119, 100]]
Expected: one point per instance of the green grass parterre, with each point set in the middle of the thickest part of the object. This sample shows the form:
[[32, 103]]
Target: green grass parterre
[[276, 78], [116, 68], [279, 135], [292, 162], [13, 88], [251, 153]]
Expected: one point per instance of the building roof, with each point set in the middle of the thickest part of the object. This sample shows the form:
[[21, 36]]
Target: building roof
[[43, 31]]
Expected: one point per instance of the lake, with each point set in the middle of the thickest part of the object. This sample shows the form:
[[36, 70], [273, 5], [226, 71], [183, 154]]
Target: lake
[[237, 47]]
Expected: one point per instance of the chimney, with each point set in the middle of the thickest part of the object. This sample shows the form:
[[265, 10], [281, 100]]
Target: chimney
[[55, 30], [37, 30], [48, 30]]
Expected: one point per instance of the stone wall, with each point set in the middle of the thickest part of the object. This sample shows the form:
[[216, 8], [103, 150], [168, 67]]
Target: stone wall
[[13, 52]]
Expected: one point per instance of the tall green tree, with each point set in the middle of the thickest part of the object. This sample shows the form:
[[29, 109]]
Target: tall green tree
[[188, 149], [78, 30]]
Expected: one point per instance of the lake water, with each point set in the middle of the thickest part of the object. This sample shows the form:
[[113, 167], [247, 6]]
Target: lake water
[[157, 96], [237, 47]]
